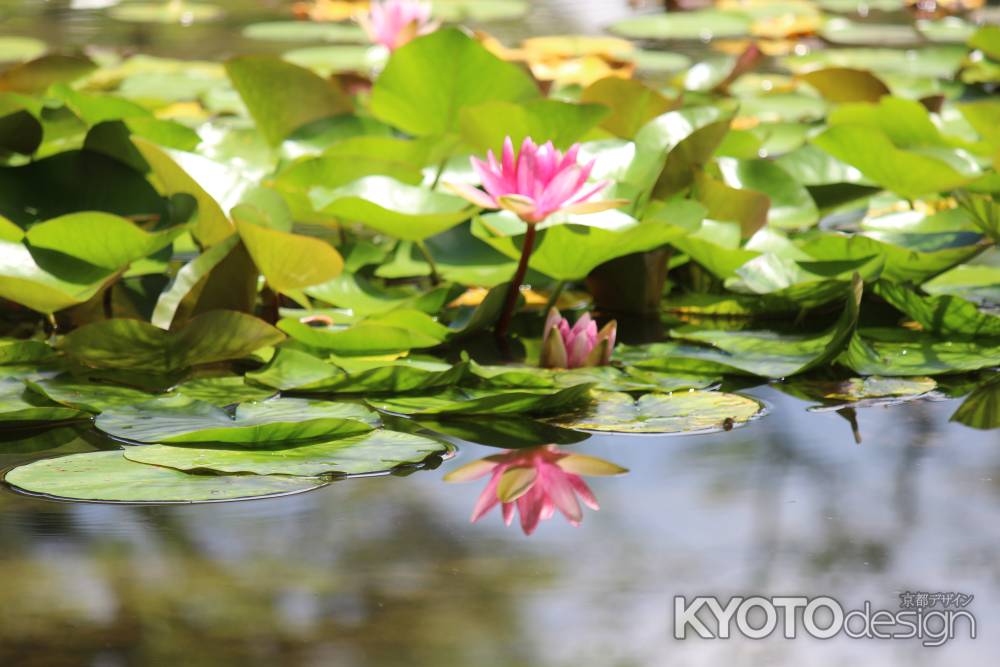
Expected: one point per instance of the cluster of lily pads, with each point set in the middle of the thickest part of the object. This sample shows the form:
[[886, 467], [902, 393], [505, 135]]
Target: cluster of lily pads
[[248, 278]]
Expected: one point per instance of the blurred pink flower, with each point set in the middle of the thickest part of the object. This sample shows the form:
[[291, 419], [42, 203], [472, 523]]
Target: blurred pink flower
[[536, 183], [577, 346], [393, 23], [536, 481]]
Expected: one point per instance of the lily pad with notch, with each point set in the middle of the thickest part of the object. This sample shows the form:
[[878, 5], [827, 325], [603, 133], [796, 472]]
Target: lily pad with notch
[[465, 401]]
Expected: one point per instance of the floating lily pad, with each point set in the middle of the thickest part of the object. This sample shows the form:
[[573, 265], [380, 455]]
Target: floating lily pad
[[182, 12], [224, 390], [981, 408], [388, 333], [294, 370], [479, 10], [83, 394], [509, 432], [182, 419], [703, 25], [328, 60], [16, 49], [366, 453], [881, 351], [19, 405], [605, 378], [869, 391], [677, 413], [305, 31], [110, 477], [845, 31], [458, 401], [132, 344], [942, 314], [17, 351]]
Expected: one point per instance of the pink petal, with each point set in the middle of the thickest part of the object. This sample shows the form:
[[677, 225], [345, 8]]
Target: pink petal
[[487, 499], [584, 491], [578, 351], [471, 194]]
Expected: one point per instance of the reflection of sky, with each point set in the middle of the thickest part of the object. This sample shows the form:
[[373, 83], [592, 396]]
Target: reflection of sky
[[369, 570]]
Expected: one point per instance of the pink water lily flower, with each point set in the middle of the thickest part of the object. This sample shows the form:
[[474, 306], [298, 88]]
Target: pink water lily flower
[[536, 482], [578, 346], [536, 183], [393, 23]]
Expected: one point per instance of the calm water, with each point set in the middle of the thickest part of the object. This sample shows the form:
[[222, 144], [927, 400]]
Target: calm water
[[387, 571]]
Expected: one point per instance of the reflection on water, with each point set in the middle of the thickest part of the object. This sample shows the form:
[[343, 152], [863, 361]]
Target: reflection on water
[[536, 481], [389, 571]]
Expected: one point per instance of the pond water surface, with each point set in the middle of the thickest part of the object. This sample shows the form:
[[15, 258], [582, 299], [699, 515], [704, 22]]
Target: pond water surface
[[386, 571]]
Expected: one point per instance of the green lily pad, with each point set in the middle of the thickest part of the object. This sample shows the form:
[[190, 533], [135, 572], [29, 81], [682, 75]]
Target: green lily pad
[[217, 335], [327, 60], [604, 378], [703, 25], [16, 351], [510, 432], [223, 390], [428, 81], [100, 239], [396, 331], [289, 261], [941, 314], [14, 48], [365, 453], [297, 371], [182, 419], [183, 12], [869, 391], [305, 31], [981, 408], [20, 405], [763, 353], [386, 205], [929, 61], [110, 477], [283, 97], [83, 394], [677, 413], [791, 205], [882, 351], [844, 31], [479, 10], [595, 238], [459, 401]]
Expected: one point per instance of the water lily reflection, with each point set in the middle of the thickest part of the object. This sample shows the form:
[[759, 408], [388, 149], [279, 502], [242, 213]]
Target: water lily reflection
[[535, 481]]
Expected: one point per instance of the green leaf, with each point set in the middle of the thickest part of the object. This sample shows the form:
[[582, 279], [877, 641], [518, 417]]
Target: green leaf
[[217, 335], [388, 333], [907, 173], [987, 40], [16, 351], [35, 76], [74, 181], [366, 453], [928, 255], [594, 238], [981, 408], [844, 84], [188, 278], [388, 206], [101, 239], [289, 261], [84, 394], [843, 31], [683, 412], [283, 97], [703, 24], [632, 104], [110, 477], [486, 126], [791, 205], [428, 81], [292, 370], [305, 31], [506, 432], [747, 208], [278, 420], [364, 297], [223, 390], [858, 392], [212, 225], [456, 401], [900, 352], [47, 282], [941, 314], [20, 405]]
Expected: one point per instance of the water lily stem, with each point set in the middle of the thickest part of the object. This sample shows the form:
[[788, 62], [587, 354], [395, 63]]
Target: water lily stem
[[440, 171], [503, 326], [554, 296], [425, 251]]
